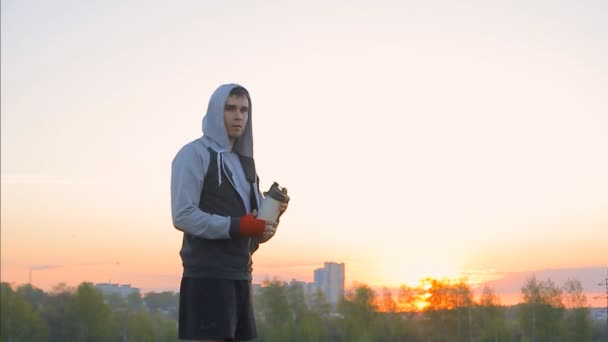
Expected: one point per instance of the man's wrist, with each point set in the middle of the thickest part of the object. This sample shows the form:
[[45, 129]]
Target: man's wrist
[[247, 225], [235, 222]]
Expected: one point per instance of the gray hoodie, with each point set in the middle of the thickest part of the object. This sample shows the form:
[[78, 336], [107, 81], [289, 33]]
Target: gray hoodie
[[211, 240]]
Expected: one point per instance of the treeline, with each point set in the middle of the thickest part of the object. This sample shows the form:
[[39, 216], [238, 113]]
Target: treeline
[[437, 310], [85, 314]]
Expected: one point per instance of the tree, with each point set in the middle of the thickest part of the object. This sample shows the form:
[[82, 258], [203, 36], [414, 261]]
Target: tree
[[449, 310], [387, 302], [55, 310], [409, 303], [33, 295], [165, 328], [391, 324], [273, 313], [492, 317], [307, 325], [320, 306], [359, 311], [408, 299], [577, 320], [166, 301], [296, 300], [88, 317], [19, 321], [140, 327], [134, 301], [133, 322], [542, 310]]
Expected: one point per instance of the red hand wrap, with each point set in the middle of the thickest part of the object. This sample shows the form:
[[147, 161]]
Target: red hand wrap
[[251, 226]]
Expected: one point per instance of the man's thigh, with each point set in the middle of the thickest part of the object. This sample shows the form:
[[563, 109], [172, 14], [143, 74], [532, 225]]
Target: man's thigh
[[216, 310]]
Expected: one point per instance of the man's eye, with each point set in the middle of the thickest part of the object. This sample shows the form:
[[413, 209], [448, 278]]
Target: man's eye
[[230, 107]]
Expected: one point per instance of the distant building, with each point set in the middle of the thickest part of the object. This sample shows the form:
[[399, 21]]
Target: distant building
[[121, 290], [330, 280], [319, 272], [309, 291], [333, 282]]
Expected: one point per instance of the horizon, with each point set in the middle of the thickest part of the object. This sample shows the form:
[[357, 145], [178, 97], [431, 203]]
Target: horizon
[[506, 287], [418, 139]]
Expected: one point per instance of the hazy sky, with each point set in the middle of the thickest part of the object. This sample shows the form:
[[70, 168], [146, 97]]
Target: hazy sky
[[416, 138]]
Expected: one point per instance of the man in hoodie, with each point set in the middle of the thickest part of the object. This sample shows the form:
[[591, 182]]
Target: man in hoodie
[[214, 199]]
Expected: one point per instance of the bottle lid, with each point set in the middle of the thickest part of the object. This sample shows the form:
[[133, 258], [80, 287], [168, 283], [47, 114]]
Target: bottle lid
[[278, 193]]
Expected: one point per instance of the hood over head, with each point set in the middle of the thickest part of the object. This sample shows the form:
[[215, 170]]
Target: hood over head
[[214, 127]]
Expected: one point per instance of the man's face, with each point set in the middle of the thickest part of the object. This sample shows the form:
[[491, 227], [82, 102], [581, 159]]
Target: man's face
[[236, 114]]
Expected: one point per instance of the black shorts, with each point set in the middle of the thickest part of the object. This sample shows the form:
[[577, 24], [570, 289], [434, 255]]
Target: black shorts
[[216, 309]]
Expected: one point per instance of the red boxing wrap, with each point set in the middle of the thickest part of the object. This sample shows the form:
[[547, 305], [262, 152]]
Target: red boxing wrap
[[251, 226]]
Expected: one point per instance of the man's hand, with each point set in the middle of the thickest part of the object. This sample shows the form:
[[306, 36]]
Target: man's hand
[[269, 230], [282, 208], [247, 225]]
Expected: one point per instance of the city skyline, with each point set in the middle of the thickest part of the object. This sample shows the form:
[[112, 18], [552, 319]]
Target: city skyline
[[507, 286]]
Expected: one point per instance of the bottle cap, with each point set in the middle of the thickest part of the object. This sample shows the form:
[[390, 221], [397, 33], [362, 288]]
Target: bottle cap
[[278, 193]]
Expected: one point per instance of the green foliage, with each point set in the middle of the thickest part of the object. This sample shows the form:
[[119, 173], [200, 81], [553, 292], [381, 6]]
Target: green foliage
[[274, 317], [577, 319], [296, 300], [599, 331], [84, 314], [542, 310], [55, 312], [491, 318], [134, 301], [19, 321], [165, 328], [88, 317], [320, 306], [140, 326], [449, 311], [284, 313], [35, 297], [166, 301], [358, 312]]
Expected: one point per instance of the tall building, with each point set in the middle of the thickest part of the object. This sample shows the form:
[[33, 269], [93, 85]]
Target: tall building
[[319, 272], [333, 282], [330, 280]]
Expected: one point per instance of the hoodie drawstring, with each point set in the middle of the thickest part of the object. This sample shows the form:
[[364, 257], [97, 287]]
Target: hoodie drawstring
[[221, 168]]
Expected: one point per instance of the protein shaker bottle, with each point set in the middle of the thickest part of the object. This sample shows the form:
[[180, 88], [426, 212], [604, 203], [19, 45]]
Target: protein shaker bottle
[[269, 210]]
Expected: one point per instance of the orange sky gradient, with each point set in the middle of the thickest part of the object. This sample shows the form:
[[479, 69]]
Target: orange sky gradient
[[416, 139]]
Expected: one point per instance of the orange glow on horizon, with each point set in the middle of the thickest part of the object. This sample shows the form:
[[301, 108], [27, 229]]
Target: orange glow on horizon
[[426, 285], [423, 304]]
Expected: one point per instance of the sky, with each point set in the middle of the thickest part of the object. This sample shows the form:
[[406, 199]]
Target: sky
[[416, 138]]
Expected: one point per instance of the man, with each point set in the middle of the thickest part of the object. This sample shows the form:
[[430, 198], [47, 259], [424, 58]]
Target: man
[[214, 199]]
